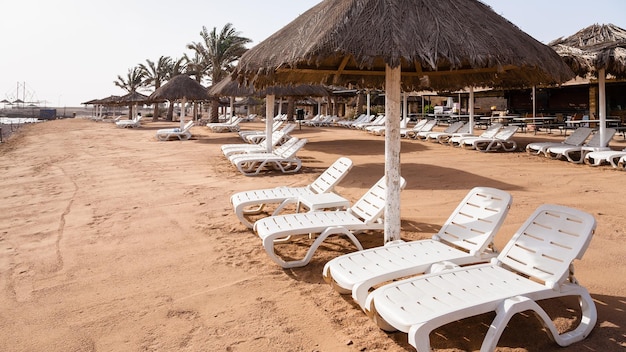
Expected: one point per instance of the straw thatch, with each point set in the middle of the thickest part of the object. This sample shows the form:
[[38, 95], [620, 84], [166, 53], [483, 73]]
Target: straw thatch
[[132, 98], [594, 48], [110, 100], [232, 88], [178, 88], [439, 45]]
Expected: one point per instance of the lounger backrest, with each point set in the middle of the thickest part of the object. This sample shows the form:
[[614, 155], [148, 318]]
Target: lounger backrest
[[331, 176], [506, 132], [285, 146], [188, 125], [464, 129], [288, 128], [476, 220], [548, 242], [429, 126], [596, 141], [292, 150], [491, 131], [455, 126], [420, 124], [372, 204], [578, 137]]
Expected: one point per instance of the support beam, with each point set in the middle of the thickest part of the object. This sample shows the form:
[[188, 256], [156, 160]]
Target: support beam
[[269, 120], [392, 153], [602, 104]]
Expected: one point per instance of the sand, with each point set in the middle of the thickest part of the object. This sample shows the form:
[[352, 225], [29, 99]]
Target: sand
[[112, 241]]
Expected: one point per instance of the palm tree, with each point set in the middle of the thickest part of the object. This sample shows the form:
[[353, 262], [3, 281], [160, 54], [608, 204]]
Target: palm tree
[[177, 67], [154, 75], [132, 82], [196, 67], [219, 52]]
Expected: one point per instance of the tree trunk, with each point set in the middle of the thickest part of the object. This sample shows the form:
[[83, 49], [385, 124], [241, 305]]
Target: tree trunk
[[291, 109], [215, 105], [155, 113], [170, 112], [360, 103]]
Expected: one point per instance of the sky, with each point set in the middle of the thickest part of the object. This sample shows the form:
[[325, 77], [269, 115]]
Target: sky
[[64, 52]]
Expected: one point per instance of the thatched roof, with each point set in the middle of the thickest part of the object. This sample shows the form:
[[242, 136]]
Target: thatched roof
[[131, 98], [439, 44], [178, 88], [232, 88], [593, 48], [110, 100]]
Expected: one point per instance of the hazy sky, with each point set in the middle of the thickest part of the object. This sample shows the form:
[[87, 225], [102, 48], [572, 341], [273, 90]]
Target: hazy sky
[[65, 52]]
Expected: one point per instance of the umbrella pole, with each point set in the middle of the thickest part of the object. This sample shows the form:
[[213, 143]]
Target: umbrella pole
[[269, 120], [602, 103], [183, 105], [471, 109], [392, 153], [232, 108]]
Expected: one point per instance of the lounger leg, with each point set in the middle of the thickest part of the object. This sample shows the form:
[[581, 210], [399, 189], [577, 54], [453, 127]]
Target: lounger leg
[[514, 305], [268, 244]]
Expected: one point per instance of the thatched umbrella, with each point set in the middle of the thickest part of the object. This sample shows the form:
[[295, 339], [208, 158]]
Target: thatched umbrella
[[132, 99], [183, 88], [99, 104], [596, 50], [446, 44]]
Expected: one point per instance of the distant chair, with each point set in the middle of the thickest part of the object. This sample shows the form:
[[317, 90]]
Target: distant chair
[[172, 133]]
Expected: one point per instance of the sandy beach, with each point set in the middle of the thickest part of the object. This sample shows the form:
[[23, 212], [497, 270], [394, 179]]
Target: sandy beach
[[113, 241]]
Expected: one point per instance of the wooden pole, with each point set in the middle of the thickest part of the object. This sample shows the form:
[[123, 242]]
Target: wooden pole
[[269, 120], [602, 105], [392, 153], [470, 107]]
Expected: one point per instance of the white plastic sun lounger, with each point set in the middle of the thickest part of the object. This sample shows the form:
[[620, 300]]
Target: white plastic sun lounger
[[258, 138], [465, 238], [576, 154], [598, 158], [253, 202], [457, 139], [416, 128], [444, 138], [577, 138], [364, 215], [536, 264], [418, 133], [136, 122], [219, 127], [432, 136], [501, 141], [244, 134], [171, 133], [285, 147], [240, 148], [283, 159]]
